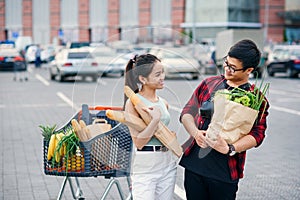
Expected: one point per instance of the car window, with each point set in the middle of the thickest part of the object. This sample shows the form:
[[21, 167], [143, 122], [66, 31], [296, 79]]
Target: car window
[[79, 44], [79, 55]]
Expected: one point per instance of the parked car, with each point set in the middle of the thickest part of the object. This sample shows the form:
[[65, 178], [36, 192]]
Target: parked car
[[206, 57], [109, 62], [284, 59], [11, 60], [177, 62], [142, 48], [74, 62], [123, 48]]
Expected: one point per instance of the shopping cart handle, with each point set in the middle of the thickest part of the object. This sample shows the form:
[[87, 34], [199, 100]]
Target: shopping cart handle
[[86, 116]]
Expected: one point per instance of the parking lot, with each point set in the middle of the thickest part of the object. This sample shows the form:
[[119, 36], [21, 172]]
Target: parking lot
[[271, 172]]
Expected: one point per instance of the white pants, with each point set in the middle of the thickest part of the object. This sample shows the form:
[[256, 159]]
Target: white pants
[[153, 175]]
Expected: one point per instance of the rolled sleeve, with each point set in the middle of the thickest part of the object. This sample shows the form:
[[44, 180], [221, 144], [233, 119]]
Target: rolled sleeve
[[258, 130]]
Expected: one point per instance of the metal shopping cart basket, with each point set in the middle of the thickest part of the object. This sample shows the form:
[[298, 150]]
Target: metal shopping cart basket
[[107, 154]]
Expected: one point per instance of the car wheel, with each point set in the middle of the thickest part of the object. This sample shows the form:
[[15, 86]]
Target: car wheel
[[291, 73], [270, 73], [95, 78], [195, 76], [52, 77], [61, 78]]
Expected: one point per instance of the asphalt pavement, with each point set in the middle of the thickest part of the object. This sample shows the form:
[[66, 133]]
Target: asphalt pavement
[[272, 171]]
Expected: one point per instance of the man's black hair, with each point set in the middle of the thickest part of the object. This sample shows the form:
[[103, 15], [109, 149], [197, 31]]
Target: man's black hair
[[247, 52]]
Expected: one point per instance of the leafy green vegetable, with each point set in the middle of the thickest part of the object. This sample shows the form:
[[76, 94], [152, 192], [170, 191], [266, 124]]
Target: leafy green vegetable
[[252, 99]]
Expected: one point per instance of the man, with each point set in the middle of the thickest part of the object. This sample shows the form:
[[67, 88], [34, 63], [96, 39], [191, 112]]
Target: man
[[213, 168], [38, 56]]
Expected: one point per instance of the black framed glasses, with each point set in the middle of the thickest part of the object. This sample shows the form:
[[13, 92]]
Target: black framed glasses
[[231, 69]]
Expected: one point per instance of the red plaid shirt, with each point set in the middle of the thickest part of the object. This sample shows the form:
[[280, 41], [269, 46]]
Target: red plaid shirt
[[203, 93]]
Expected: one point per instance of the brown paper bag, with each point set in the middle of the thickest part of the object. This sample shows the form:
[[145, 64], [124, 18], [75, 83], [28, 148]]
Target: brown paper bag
[[98, 126], [230, 119]]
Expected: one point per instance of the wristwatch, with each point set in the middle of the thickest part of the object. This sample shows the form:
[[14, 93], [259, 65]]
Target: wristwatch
[[231, 151]]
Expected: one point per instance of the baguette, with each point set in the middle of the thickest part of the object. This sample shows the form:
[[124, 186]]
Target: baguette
[[127, 119], [78, 130], [163, 134]]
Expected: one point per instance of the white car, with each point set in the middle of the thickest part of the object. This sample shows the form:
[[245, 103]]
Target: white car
[[109, 62], [74, 62], [177, 62]]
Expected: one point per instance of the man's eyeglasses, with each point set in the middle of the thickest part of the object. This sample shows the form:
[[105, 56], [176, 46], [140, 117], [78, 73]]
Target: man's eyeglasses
[[231, 69]]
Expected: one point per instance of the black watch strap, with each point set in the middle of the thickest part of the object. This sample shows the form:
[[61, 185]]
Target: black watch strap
[[231, 151]]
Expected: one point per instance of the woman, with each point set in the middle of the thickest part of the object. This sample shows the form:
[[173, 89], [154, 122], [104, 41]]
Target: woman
[[153, 166]]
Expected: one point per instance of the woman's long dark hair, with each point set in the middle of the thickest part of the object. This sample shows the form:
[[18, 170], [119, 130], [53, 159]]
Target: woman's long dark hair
[[138, 66]]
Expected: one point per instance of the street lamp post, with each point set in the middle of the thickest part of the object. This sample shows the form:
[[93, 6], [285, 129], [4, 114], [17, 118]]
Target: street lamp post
[[266, 22], [194, 26]]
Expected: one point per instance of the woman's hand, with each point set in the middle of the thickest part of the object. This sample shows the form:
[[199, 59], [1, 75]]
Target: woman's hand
[[154, 112], [219, 144]]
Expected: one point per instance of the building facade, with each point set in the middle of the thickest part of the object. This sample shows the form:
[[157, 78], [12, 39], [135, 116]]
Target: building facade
[[54, 21], [49, 21]]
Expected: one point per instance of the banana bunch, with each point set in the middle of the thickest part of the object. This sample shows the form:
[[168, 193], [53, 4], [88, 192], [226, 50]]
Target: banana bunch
[[55, 150]]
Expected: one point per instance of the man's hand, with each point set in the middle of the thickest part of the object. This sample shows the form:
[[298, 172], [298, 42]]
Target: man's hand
[[219, 144], [200, 138]]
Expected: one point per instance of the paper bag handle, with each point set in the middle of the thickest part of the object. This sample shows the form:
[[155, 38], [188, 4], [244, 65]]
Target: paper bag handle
[[100, 121]]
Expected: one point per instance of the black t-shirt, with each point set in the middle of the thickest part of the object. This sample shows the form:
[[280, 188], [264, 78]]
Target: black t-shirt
[[209, 162]]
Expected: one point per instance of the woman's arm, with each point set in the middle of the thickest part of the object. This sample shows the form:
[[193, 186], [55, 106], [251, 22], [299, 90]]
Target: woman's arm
[[140, 139]]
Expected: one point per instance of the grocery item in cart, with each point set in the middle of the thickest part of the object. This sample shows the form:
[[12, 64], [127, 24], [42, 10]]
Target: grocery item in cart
[[86, 132]]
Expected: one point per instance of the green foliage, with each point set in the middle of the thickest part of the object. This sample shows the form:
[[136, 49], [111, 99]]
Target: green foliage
[[47, 131]]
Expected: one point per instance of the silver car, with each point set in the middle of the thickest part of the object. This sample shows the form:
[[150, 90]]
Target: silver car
[[177, 62], [74, 62], [109, 62]]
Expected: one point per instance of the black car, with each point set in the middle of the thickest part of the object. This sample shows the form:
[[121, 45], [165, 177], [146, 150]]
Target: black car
[[285, 60], [11, 60]]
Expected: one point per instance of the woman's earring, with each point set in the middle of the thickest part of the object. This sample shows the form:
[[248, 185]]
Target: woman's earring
[[139, 86]]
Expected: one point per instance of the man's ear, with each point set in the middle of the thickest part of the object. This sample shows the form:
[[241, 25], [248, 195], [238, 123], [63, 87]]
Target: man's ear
[[249, 70]]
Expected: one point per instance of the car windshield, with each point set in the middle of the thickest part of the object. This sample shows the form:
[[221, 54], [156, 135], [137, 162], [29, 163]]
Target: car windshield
[[104, 54], [79, 55], [296, 52], [176, 55], [123, 51]]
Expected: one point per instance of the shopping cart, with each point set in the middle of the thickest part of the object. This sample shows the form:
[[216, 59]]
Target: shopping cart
[[107, 154]]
